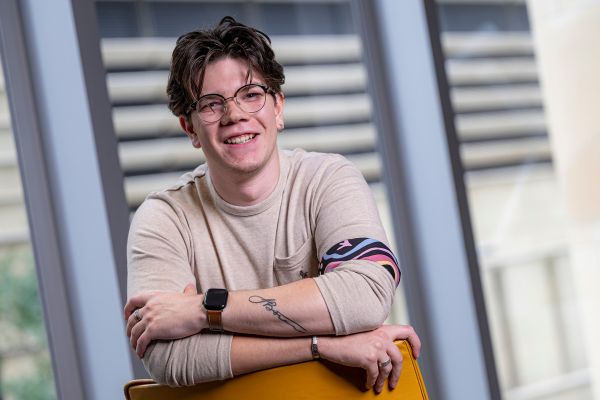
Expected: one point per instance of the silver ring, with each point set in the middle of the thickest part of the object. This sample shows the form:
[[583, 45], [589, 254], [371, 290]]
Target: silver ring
[[137, 315], [385, 363]]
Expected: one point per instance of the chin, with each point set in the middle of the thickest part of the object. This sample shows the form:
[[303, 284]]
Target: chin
[[247, 167]]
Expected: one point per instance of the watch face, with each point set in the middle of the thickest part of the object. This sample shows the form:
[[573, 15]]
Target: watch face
[[215, 299]]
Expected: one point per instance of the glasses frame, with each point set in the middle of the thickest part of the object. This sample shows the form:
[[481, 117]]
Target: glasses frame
[[194, 105]]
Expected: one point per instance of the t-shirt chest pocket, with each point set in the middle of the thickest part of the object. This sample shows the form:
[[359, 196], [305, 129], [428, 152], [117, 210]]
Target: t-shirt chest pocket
[[301, 264]]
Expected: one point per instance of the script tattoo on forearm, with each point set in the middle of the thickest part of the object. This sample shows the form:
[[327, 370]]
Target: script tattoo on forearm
[[269, 305]]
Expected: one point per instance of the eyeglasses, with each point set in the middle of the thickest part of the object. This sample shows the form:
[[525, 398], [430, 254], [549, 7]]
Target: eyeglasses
[[250, 98]]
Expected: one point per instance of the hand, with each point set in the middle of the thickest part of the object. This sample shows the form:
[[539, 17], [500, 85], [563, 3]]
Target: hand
[[162, 315], [368, 350]]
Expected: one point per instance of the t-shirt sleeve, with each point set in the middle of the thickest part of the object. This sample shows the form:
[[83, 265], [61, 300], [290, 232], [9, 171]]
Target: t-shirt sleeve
[[159, 258], [359, 291]]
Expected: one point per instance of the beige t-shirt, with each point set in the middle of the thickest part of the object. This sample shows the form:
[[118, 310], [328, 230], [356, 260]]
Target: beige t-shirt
[[189, 234]]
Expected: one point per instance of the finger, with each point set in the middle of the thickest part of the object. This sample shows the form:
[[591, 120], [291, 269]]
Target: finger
[[384, 372], [131, 321], [142, 344], [137, 301], [415, 342], [190, 289], [396, 356], [407, 332], [372, 373], [136, 332]]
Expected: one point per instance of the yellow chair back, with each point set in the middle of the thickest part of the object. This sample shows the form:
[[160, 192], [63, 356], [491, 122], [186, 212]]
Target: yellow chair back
[[309, 380]]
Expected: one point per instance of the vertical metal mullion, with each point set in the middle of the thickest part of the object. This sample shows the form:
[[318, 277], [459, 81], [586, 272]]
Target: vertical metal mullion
[[424, 179], [386, 120], [105, 140], [106, 147], [458, 174]]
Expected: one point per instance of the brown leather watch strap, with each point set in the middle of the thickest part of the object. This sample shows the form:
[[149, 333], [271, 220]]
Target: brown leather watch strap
[[215, 323]]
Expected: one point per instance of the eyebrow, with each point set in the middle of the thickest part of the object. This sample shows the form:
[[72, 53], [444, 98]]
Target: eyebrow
[[245, 84]]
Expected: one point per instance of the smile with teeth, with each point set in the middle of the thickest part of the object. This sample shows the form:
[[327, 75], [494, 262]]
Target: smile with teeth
[[240, 139]]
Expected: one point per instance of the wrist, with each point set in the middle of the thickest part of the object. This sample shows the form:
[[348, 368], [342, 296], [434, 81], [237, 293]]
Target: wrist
[[324, 345], [215, 301], [202, 320], [195, 316], [314, 348]]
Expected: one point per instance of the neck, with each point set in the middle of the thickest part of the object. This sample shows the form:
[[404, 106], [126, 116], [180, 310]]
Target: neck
[[246, 189]]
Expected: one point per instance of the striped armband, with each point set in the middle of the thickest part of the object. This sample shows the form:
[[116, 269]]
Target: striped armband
[[361, 249]]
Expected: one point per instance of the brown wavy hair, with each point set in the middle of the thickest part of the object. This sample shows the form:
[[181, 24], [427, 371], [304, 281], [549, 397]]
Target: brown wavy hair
[[195, 50]]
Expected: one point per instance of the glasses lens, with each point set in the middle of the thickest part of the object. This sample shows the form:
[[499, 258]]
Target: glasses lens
[[251, 98], [210, 108]]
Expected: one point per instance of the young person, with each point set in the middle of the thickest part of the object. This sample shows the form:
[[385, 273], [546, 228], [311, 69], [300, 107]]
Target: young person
[[260, 257]]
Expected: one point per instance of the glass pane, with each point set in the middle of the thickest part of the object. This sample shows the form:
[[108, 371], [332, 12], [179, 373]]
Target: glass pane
[[327, 107], [25, 367], [529, 172]]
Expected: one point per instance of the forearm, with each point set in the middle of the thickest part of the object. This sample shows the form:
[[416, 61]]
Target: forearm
[[355, 298], [292, 310], [254, 353], [295, 309], [365, 350], [191, 360]]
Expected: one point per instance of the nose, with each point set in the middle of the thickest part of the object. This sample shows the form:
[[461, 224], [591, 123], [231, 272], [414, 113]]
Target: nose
[[232, 113]]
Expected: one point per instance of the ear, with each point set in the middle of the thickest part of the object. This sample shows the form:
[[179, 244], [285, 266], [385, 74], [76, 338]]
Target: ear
[[188, 128], [279, 105]]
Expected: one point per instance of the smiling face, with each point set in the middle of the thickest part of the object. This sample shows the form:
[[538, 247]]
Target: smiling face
[[240, 143]]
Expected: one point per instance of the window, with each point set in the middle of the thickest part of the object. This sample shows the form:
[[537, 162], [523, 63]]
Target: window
[[25, 366], [517, 97]]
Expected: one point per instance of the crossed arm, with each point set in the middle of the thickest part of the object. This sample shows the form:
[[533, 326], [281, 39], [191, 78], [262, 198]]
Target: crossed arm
[[272, 325], [281, 323], [275, 312]]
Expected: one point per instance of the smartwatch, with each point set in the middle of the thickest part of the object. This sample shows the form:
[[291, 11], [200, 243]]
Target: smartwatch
[[215, 301]]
